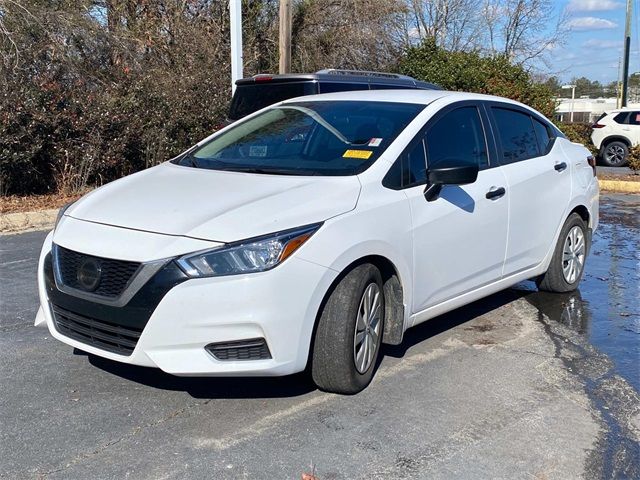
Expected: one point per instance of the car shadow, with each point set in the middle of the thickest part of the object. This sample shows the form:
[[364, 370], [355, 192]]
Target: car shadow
[[452, 319], [208, 387], [300, 383]]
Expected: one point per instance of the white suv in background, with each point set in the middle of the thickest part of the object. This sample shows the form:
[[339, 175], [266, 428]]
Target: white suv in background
[[614, 133], [314, 230]]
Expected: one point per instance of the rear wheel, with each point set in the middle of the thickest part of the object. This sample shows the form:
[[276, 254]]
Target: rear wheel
[[615, 154], [349, 333], [567, 265]]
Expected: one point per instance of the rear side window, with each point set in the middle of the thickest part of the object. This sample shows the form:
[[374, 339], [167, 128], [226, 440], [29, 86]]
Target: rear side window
[[390, 86], [517, 135], [250, 98], [634, 118], [458, 135], [331, 87], [542, 135]]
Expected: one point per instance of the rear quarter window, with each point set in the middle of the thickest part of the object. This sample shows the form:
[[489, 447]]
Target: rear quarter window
[[622, 118], [542, 136]]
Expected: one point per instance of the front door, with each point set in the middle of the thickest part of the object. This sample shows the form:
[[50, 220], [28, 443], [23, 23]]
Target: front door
[[459, 239]]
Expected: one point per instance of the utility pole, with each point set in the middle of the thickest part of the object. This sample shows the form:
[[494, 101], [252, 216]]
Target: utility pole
[[627, 47], [573, 98], [285, 36], [235, 13]]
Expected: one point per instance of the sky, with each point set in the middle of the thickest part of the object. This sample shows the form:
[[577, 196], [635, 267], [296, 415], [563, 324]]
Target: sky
[[593, 46]]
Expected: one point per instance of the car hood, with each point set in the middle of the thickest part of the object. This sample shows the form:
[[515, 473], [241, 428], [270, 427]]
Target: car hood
[[215, 205]]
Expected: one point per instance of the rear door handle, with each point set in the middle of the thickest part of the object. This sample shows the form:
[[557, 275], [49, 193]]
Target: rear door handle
[[559, 167], [495, 193]]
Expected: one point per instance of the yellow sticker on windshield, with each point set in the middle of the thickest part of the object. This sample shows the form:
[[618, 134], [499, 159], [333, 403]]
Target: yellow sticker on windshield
[[363, 154]]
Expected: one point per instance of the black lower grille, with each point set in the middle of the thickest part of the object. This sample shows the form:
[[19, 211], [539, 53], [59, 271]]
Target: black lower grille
[[253, 349], [99, 334], [112, 278]]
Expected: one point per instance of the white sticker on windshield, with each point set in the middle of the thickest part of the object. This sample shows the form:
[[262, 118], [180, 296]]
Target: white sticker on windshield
[[375, 142], [258, 151]]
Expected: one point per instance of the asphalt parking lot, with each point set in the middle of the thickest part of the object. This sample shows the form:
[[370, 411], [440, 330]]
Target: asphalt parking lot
[[519, 385]]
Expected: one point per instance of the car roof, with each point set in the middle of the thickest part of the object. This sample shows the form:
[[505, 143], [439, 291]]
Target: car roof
[[421, 97], [340, 76]]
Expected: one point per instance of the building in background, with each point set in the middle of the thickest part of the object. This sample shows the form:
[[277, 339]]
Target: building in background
[[586, 110]]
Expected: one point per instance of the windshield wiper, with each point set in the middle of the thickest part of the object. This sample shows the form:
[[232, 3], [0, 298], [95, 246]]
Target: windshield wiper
[[270, 171]]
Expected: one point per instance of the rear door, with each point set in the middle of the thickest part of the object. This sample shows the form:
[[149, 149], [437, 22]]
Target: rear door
[[538, 183]]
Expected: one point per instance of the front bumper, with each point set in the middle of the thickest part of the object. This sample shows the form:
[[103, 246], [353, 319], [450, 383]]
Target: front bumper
[[179, 317]]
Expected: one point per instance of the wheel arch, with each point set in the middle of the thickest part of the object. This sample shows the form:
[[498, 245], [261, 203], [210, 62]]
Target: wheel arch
[[614, 138], [394, 291], [583, 211]]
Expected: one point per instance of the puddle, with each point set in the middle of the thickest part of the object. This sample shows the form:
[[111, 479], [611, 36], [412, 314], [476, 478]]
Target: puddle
[[606, 308]]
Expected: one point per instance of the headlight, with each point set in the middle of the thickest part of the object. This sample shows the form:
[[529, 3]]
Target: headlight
[[248, 256], [61, 213]]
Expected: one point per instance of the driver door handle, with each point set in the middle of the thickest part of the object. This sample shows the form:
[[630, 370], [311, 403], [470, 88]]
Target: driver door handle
[[495, 193]]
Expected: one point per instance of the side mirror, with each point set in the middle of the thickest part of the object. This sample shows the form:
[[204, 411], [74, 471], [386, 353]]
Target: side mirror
[[449, 172]]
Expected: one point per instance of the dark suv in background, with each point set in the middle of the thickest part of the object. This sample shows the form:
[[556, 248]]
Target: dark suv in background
[[262, 90]]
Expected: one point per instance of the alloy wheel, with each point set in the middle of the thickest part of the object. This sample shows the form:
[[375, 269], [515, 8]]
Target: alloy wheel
[[365, 340], [573, 255], [614, 154]]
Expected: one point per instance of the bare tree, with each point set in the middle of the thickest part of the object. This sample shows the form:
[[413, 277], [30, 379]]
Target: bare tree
[[453, 24], [523, 27], [520, 29], [346, 34]]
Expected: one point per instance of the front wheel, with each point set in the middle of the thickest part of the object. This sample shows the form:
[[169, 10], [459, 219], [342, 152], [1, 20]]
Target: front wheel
[[349, 333], [567, 264]]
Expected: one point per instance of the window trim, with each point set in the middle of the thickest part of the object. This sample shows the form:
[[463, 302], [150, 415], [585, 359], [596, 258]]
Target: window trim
[[490, 145]]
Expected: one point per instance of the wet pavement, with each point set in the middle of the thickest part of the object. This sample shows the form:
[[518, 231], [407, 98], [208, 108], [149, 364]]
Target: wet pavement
[[606, 307], [521, 384]]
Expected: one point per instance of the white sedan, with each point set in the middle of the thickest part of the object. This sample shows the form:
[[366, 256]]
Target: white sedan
[[316, 229]]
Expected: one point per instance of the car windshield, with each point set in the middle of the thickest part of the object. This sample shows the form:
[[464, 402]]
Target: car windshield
[[306, 138]]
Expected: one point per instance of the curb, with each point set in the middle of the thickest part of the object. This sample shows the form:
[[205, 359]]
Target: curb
[[623, 186], [21, 222]]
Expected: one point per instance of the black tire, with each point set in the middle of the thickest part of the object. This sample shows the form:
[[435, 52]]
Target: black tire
[[333, 362], [615, 154], [554, 280]]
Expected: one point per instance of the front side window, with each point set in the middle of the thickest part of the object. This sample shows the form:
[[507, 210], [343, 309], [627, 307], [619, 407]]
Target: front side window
[[517, 135], [306, 138], [457, 136]]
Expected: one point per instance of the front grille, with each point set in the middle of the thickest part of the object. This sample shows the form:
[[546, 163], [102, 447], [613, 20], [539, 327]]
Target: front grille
[[114, 277], [253, 349], [99, 334]]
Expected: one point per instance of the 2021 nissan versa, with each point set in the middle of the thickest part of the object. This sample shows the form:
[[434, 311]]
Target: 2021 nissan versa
[[315, 229]]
